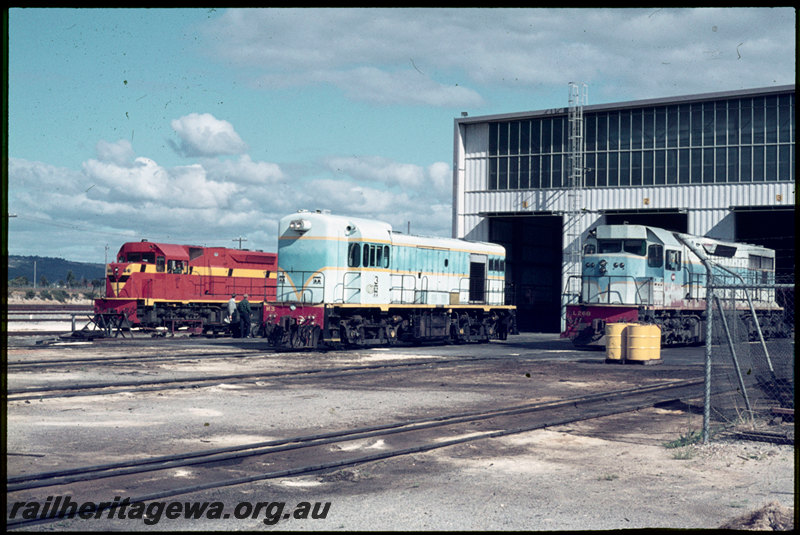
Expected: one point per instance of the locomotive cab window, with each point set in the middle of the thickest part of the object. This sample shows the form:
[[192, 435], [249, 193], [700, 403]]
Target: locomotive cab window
[[637, 247], [386, 256], [609, 246], [354, 255], [655, 256], [673, 260], [160, 264], [589, 248]]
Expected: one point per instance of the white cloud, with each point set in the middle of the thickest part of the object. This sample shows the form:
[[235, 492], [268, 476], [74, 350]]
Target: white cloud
[[202, 134], [244, 171], [120, 153], [443, 57]]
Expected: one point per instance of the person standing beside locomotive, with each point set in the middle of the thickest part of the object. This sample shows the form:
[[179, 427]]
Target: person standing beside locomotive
[[243, 308], [231, 308]]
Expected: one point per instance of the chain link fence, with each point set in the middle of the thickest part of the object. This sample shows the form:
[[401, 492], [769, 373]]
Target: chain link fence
[[751, 353]]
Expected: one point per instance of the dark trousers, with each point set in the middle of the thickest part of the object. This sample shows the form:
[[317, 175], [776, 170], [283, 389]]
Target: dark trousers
[[244, 326]]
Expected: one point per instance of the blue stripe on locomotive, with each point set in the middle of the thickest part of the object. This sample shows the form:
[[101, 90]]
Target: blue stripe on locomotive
[[309, 255]]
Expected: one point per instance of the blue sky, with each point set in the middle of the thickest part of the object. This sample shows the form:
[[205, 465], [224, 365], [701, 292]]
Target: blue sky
[[200, 126]]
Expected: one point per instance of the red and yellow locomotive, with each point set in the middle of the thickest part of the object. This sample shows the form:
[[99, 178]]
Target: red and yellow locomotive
[[182, 286]]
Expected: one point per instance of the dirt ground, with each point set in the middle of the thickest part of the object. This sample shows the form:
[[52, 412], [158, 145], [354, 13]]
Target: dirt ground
[[607, 473]]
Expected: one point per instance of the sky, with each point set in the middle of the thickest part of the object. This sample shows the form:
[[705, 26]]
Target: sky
[[204, 126]]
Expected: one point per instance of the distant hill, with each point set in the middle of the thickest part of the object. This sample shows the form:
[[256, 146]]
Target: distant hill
[[53, 269]]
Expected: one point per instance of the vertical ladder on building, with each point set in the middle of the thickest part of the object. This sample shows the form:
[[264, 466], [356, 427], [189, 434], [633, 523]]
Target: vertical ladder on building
[[578, 97]]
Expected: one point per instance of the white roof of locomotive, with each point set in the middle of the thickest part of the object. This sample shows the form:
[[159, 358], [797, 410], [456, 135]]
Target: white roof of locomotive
[[324, 224]]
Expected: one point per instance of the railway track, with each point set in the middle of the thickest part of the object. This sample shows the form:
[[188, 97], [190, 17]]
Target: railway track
[[153, 478], [108, 388]]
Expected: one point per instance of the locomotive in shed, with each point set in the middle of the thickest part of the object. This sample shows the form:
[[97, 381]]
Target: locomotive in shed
[[351, 281], [165, 285], [636, 273]]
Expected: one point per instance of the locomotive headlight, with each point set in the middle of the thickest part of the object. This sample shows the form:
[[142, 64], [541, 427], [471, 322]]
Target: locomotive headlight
[[300, 225], [622, 264], [616, 265]]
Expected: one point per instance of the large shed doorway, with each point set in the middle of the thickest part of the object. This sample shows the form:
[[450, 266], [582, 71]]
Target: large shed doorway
[[533, 267]]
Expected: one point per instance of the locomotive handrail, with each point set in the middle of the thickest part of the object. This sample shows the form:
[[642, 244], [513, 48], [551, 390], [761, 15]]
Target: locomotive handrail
[[638, 285], [402, 288]]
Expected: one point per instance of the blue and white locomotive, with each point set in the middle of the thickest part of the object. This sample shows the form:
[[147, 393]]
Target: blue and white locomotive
[[636, 273], [351, 281]]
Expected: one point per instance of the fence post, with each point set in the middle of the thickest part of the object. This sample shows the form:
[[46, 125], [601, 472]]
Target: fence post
[[707, 382]]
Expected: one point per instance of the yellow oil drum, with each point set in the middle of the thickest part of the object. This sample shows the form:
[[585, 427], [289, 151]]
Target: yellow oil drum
[[616, 342], [644, 342]]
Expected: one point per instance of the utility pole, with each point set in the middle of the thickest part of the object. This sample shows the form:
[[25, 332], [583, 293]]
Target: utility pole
[[240, 240]]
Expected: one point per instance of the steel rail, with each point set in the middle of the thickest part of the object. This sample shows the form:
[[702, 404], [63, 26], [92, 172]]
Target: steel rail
[[615, 405]]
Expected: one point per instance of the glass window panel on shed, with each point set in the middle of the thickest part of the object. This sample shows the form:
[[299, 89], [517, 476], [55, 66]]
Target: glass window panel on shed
[[590, 132], [683, 125], [513, 173], [625, 129], [558, 176], [502, 174], [697, 125], [636, 129], [783, 163], [536, 173], [672, 126], [547, 135], [602, 169], [721, 123], [613, 168], [660, 167], [758, 120], [771, 163], [758, 164], [546, 171], [602, 132], [721, 172], [708, 123], [661, 127], [525, 172], [558, 134], [613, 131], [696, 156], [513, 137], [683, 166], [733, 164], [672, 166], [493, 173], [771, 119], [590, 174], [502, 146], [648, 128], [493, 138], [733, 122], [636, 168], [525, 137], [536, 136], [784, 116], [708, 165], [625, 168], [746, 121], [746, 164], [648, 174]]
